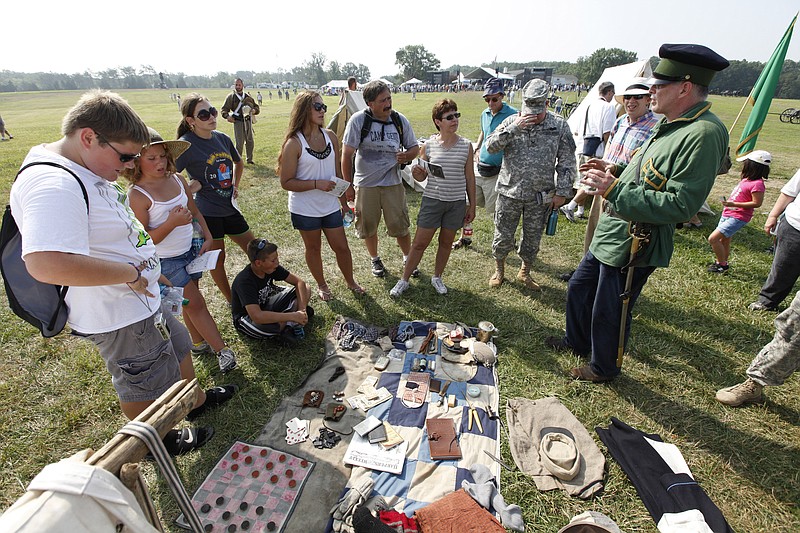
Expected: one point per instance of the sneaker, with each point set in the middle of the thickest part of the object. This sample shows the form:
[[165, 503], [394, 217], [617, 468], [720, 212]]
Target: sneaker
[[716, 268], [299, 332], [414, 273], [439, 285], [496, 280], [215, 397], [226, 359], [399, 288], [201, 348], [378, 270], [760, 306], [579, 213], [568, 212], [747, 391]]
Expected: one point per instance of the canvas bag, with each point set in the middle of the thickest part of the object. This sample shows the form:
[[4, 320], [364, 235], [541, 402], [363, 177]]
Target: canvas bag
[[40, 304]]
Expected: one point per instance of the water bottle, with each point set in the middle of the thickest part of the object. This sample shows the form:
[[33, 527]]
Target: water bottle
[[552, 222], [467, 232], [350, 215], [172, 299], [197, 237]]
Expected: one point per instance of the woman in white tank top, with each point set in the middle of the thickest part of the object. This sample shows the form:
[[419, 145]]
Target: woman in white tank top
[[308, 167], [161, 201]]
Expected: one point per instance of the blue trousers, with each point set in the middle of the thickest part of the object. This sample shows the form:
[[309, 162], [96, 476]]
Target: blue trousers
[[594, 309]]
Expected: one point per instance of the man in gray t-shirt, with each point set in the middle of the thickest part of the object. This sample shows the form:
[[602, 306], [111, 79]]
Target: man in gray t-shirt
[[378, 189]]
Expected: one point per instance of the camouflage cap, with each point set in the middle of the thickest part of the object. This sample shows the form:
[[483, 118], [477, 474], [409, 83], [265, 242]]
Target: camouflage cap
[[534, 97]]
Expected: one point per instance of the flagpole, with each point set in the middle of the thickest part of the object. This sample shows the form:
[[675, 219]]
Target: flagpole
[[746, 100]]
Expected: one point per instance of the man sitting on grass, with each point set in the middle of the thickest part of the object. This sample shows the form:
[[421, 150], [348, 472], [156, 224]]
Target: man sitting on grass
[[263, 310]]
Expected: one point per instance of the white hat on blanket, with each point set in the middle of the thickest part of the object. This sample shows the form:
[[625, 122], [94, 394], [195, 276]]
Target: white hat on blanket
[[559, 455]]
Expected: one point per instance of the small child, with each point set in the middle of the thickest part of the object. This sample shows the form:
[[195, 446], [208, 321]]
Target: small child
[[161, 201], [739, 208], [263, 310]]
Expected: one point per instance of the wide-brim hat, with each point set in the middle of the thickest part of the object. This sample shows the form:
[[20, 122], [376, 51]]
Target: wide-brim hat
[[590, 522], [687, 62], [559, 455], [637, 86], [175, 148], [758, 156]]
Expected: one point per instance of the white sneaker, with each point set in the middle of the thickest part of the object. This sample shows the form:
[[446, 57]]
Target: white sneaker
[[438, 284], [399, 288], [226, 359], [568, 212]]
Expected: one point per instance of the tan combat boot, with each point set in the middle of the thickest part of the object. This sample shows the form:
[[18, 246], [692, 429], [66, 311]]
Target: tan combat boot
[[497, 278], [524, 275]]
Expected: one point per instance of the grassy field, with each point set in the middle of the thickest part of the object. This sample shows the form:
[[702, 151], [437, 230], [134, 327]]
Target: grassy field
[[692, 334]]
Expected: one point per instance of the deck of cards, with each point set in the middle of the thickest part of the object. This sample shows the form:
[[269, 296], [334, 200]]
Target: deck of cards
[[297, 430]]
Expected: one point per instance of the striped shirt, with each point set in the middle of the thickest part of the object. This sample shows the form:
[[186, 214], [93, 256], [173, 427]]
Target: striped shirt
[[452, 160], [627, 137]]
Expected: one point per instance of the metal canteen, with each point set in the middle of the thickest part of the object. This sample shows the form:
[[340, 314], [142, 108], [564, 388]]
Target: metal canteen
[[486, 331]]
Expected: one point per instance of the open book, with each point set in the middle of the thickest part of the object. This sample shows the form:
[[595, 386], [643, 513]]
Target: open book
[[431, 168]]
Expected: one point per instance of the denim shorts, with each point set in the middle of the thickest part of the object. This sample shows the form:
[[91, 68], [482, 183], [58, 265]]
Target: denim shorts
[[142, 364], [174, 269], [304, 223], [730, 225]]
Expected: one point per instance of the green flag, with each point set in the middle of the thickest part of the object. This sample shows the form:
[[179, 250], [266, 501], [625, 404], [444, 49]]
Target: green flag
[[763, 91]]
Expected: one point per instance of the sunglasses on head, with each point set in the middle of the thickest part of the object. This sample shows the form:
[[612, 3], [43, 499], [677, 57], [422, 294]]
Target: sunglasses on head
[[451, 116], [319, 106], [205, 114], [123, 158], [634, 96], [491, 99]]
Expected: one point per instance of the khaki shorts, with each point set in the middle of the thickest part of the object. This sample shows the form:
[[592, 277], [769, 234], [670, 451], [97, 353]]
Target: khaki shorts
[[142, 364], [389, 200]]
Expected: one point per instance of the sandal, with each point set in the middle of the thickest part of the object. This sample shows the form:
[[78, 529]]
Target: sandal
[[358, 289], [215, 397], [182, 441], [324, 294]]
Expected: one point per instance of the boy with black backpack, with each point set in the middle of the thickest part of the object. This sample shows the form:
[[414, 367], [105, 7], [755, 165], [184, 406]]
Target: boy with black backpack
[[77, 231]]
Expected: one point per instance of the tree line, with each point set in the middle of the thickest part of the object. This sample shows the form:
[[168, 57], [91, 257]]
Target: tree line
[[412, 60]]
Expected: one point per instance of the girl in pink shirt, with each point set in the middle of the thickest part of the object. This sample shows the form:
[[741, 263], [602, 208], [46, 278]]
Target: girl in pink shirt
[[744, 199]]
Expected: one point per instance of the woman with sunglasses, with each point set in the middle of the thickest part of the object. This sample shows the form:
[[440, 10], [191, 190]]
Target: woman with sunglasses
[[308, 166], [442, 206], [213, 162]]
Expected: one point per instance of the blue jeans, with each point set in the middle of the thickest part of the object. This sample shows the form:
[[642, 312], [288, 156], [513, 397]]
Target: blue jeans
[[594, 309]]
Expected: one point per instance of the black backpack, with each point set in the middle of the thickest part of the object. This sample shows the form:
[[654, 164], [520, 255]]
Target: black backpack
[[394, 117], [40, 304]]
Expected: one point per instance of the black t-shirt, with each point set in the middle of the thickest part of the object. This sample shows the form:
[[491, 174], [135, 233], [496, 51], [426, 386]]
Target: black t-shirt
[[249, 289]]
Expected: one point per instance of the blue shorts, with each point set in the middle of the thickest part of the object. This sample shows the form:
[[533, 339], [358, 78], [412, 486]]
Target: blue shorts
[[729, 225], [174, 269], [304, 223]]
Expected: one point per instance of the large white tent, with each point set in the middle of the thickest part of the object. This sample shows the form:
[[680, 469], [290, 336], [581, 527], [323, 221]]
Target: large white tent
[[412, 81], [621, 76]]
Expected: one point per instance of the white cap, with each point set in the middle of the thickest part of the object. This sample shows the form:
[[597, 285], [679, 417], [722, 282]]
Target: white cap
[[759, 156]]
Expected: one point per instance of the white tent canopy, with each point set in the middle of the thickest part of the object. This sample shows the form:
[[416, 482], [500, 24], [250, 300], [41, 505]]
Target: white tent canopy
[[336, 84], [621, 76], [412, 81], [484, 73]]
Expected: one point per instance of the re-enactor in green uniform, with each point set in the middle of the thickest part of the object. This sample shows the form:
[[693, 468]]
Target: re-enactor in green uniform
[[665, 183]]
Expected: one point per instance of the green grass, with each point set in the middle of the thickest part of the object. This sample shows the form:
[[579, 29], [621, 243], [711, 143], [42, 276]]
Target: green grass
[[691, 335]]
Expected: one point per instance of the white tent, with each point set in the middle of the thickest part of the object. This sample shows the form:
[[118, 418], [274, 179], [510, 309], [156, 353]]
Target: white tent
[[351, 102], [621, 76], [412, 81], [336, 84], [484, 73]]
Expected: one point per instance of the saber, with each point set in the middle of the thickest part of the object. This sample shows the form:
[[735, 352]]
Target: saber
[[640, 237]]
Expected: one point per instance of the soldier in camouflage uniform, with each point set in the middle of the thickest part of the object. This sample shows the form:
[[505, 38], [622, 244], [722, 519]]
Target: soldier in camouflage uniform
[[536, 144], [774, 363]]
